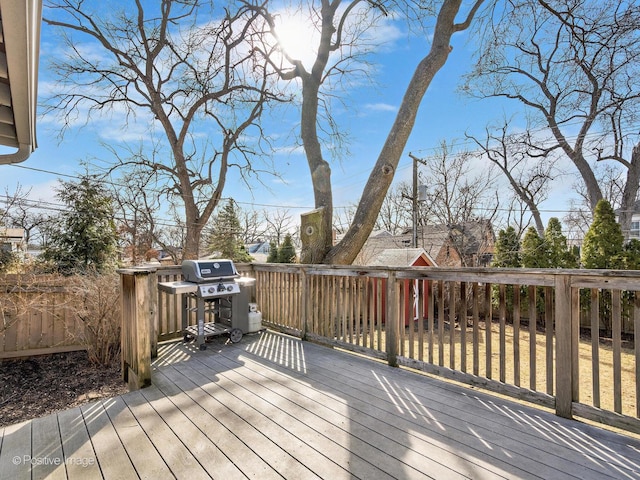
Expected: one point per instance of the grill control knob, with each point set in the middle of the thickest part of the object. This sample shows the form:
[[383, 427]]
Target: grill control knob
[[229, 288], [212, 290]]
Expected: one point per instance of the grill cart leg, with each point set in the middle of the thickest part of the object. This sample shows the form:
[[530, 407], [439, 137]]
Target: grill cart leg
[[200, 338]]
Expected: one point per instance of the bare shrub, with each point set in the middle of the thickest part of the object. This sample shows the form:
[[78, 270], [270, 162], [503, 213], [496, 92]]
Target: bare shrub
[[96, 302]]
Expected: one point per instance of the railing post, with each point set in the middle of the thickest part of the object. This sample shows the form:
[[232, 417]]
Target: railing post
[[304, 303], [138, 325], [565, 351], [153, 311], [392, 320]]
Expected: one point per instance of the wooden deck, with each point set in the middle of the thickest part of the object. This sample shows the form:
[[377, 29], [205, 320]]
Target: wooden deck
[[274, 407]]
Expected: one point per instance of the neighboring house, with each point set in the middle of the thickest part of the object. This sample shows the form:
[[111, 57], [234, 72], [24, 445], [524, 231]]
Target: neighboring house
[[467, 245], [378, 241], [634, 230], [12, 240], [259, 251], [166, 257]]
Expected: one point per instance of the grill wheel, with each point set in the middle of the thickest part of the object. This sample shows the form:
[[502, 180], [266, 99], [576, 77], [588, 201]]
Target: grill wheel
[[235, 335]]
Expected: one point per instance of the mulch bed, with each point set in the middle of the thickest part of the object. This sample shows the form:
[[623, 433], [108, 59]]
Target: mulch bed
[[38, 386]]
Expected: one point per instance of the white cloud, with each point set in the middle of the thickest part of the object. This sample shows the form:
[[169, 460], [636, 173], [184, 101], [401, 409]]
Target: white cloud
[[385, 34], [44, 192], [381, 107]]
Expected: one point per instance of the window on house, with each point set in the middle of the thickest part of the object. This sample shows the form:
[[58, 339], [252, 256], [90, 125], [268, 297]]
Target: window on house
[[635, 230]]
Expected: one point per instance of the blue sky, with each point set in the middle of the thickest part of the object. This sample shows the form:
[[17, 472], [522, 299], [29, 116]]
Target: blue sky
[[444, 115]]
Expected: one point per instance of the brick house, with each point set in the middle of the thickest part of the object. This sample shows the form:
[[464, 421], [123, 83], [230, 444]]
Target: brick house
[[469, 244]]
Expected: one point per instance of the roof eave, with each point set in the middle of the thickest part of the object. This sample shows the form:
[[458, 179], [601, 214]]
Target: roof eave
[[21, 24]]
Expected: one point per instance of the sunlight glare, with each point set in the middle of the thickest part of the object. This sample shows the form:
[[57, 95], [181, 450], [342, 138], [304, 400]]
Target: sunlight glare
[[298, 37]]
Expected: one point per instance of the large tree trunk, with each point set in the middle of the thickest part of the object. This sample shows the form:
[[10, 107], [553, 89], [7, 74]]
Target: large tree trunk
[[320, 173], [321, 242], [383, 172], [630, 193]]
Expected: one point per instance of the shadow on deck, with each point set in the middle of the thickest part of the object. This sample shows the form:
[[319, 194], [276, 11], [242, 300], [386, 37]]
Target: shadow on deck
[[275, 407]]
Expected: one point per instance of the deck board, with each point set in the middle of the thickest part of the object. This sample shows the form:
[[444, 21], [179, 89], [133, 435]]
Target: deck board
[[174, 453], [80, 458], [264, 445], [449, 424], [272, 406], [139, 447], [46, 443], [387, 450], [114, 459], [303, 417], [212, 458], [14, 451]]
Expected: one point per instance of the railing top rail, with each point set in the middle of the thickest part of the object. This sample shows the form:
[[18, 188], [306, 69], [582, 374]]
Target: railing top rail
[[580, 278], [138, 270]]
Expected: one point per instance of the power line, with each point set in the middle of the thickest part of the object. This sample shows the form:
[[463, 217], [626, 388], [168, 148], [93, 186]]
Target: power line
[[116, 184], [297, 207]]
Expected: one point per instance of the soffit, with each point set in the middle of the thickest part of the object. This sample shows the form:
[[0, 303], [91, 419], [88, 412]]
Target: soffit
[[20, 23]]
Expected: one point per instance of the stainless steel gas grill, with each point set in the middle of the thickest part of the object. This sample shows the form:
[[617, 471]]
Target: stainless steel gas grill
[[212, 283]]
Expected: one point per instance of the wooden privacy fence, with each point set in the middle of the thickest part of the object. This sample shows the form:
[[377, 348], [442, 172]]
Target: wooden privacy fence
[[37, 316], [517, 332]]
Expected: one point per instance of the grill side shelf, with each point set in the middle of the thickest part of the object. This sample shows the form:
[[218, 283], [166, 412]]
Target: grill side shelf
[[178, 287]]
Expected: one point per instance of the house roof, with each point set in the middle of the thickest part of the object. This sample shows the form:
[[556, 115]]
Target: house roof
[[20, 23], [468, 238], [400, 257], [15, 234], [636, 208]]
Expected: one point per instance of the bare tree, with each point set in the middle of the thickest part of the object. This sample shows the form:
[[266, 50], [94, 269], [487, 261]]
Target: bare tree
[[172, 235], [279, 222], [342, 218], [612, 184], [187, 66], [513, 155], [395, 214], [456, 193], [573, 64], [252, 224], [21, 212], [577, 221], [251, 228], [137, 201], [332, 20], [517, 215], [10, 201]]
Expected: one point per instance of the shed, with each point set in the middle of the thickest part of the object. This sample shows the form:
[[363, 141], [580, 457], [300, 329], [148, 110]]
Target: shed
[[403, 257], [407, 257]]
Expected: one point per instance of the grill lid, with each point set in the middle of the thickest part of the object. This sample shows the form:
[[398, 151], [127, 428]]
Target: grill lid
[[201, 271]]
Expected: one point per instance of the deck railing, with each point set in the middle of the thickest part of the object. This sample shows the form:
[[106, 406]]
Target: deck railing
[[563, 339]]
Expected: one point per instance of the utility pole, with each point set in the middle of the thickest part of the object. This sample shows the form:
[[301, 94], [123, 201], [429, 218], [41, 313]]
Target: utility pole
[[414, 199]]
